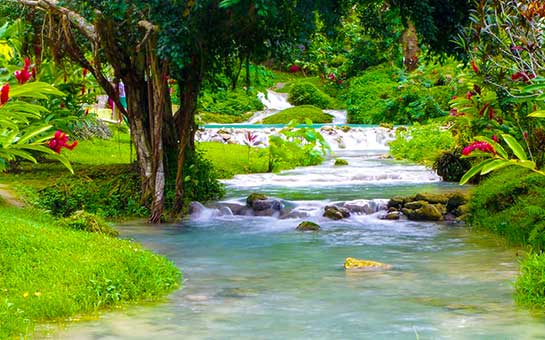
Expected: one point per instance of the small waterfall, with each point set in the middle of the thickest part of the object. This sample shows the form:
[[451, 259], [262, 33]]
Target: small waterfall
[[274, 100]]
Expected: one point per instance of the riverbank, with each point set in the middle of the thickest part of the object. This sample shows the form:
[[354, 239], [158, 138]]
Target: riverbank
[[52, 274]]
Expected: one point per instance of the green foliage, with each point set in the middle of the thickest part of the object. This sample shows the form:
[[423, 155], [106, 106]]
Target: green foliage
[[421, 143], [340, 162], [368, 94], [207, 117], [232, 159], [511, 203], [299, 113], [201, 180], [386, 94], [107, 191], [307, 94], [530, 285], [82, 220], [296, 147], [234, 103], [51, 273]]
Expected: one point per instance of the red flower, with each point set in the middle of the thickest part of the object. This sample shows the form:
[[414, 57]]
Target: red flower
[[294, 68], [469, 94], [250, 139], [522, 75], [4, 94], [525, 135], [474, 66], [59, 141], [84, 72], [495, 138], [483, 146], [23, 75], [331, 76]]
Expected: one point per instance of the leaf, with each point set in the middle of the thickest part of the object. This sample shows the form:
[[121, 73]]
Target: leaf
[[38, 90], [33, 133], [515, 147], [537, 114], [473, 171], [495, 165], [527, 164]]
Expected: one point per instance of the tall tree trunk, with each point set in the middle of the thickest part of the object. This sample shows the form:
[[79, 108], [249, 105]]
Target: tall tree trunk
[[409, 41], [189, 92]]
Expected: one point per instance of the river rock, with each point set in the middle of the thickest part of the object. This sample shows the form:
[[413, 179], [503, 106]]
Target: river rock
[[392, 215], [428, 212], [308, 226], [341, 162], [398, 201], [456, 199], [196, 208], [293, 214], [336, 213], [263, 205], [414, 205], [236, 208], [353, 263], [431, 198]]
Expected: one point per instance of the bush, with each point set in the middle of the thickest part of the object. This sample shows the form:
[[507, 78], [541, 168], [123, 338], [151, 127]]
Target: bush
[[511, 203], [307, 94], [450, 166], [368, 94], [81, 220], [421, 143], [233, 103], [300, 114], [111, 191]]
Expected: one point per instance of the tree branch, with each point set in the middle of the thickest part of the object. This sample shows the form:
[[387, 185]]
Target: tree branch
[[76, 19]]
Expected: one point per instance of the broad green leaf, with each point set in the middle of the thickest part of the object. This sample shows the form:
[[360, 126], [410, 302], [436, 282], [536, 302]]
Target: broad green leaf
[[38, 90], [473, 171], [32, 133], [527, 164], [21, 154], [537, 114], [495, 165], [63, 160], [517, 149]]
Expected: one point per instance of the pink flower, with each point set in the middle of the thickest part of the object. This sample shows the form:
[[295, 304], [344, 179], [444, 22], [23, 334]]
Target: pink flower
[[495, 138], [250, 139], [483, 146], [59, 141], [469, 95], [4, 94]]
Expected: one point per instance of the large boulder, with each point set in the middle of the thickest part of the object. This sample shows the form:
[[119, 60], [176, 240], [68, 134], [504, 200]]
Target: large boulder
[[308, 226], [456, 199], [336, 213], [431, 198], [260, 202], [352, 263], [427, 212]]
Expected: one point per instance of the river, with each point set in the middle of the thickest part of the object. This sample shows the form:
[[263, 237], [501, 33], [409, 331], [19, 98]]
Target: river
[[257, 278]]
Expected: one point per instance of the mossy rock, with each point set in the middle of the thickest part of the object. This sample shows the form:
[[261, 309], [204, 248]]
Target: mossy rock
[[353, 263], [432, 198], [299, 114], [255, 197], [341, 162], [336, 213], [428, 212], [82, 220], [308, 226]]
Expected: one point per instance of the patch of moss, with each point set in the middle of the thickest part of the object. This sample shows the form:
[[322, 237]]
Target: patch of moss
[[299, 113], [308, 94], [340, 162]]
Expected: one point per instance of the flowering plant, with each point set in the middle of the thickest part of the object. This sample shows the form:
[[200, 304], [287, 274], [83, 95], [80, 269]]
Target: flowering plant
[[496, 156]]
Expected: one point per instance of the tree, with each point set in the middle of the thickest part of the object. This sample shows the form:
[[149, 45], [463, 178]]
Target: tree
[[145, 42]]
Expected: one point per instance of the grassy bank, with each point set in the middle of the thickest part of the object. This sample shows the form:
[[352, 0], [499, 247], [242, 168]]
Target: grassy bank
[[49, 273], [511, 203]]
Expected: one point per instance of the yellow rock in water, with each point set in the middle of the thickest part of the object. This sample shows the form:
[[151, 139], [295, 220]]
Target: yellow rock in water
[[352, 263]]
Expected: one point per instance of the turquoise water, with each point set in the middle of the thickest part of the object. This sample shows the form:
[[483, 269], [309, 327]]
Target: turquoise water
[[266, 126], [258, 278]]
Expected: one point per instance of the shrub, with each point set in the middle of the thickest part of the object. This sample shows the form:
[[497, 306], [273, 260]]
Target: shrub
[[450, 166], [421, 143], [368, 94], [106, 191], [81, 220], [307, 94], [300, 114], [233, 103]]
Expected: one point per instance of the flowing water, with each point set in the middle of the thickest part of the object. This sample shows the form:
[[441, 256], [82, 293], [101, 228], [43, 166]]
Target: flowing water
[[257, 278]]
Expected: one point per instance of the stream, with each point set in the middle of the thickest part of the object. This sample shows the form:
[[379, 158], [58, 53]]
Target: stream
[[251, 277]]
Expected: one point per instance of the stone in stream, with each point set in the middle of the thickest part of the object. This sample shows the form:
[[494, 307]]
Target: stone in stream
[[308, 226], [353, 263], [336, 213]]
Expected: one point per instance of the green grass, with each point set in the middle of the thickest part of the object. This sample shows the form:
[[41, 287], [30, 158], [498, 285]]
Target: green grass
[[511, 203], [96, 151], [299, 113], [208, 117], [49, 273], [232, 159]]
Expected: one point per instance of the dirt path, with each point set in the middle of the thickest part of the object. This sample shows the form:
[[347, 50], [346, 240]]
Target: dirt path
[[9, 197]]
